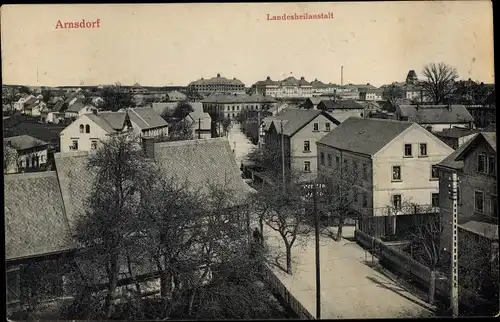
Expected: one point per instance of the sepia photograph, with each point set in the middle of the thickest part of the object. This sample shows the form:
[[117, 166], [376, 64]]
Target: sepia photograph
[[249, 161]]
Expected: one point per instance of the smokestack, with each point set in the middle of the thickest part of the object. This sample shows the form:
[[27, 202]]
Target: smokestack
[[341, 75]]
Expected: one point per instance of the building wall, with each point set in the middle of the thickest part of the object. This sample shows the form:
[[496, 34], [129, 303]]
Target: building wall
[[307, 133], [24, 159], [416, 185], [351, 164], [72, 132], [285, 91]]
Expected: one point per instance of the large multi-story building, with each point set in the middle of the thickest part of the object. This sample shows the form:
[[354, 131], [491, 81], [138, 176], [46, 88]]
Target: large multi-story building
[[319, 88], [391, 164], [217, 85], [289, 87], [300, 130], [231, 106]]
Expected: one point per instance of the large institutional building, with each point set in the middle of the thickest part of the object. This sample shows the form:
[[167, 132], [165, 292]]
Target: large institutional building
[[288, 87], [217, 84]]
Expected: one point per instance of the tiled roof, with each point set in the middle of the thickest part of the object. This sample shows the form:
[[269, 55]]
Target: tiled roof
[[35, 222], [340, 104], [484, 229], [146, 118], [296, 119], [455, 160], [198, 112], [436, 114], [366, 136], [76, 107], [268, 81], [202, 162], [451, 160], [23, 142], [76, 182], [456, 132], [229, 99]]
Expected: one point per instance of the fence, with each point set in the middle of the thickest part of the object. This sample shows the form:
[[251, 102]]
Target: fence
[[278, 287], [380, 226], [415, 271]]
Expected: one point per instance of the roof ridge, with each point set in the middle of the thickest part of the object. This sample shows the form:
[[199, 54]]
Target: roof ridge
[[191, 142]]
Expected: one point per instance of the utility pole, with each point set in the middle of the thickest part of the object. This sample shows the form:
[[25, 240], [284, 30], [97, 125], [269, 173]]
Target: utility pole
[[454, 246], [282, 154], [316, 232], [199, 128]]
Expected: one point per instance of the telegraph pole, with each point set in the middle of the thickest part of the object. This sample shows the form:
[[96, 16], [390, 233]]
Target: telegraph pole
[[454, 247], [283, 154], [316, 232], [199, 128]]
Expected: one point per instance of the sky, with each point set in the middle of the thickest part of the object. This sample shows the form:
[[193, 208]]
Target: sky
[[174, 44]]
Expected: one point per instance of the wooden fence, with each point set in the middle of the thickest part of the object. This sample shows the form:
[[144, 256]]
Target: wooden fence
[[278, 287], [380, 226], [414, 271]]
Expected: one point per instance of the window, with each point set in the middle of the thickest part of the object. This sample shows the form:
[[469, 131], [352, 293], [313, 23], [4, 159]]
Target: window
[[494, 206], [330, 160], [307, 147], [346, 166], [87, 128], [322, 158], [93, 145], [458, 195], [365, 172], [327, 126], [316, 127], [423, 149], [435, 200], [365, 200], [478, 201], [42, 158], [337, 160], [408, 150], [354, 167], [75, 145], [481, 163], [396, 201], [232, 107], [307, 166], [396, 173], [434, 172], [491, 165], [81, 128]]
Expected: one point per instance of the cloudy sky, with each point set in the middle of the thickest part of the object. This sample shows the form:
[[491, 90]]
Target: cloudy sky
[[173, 44]]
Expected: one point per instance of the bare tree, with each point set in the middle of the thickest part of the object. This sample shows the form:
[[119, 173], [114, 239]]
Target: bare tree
[[342, 192], [121, 172], [425, 241], [180, 131], [394, 94], [440, 81], [282, 208]]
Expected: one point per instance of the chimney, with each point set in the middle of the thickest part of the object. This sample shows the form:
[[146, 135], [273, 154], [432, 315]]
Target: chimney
[[268, 78], [302, 78], [148, 145], [341, 75], [218, 75]]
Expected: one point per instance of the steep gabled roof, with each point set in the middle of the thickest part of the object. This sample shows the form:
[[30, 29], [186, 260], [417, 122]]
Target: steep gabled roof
[[35, 221], [24, 142], [455, 159], [146, 118], [76, 182], [201, 163], [340, 104], [436, 114], [365, 136], [295, 119]]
